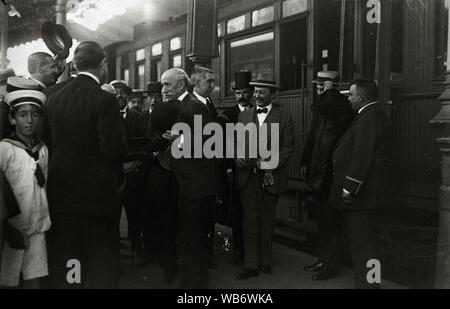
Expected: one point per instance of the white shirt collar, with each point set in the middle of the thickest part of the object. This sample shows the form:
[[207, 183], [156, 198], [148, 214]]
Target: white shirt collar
[[181, 97], [363, 108], [241, 108], [201, 98], [90, 75], [39, 82]]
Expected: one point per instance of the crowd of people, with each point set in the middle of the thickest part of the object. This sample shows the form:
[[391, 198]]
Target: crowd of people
[[74, 154]]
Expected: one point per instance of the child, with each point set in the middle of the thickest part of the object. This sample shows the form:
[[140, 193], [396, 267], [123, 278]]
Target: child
[[24, 161]]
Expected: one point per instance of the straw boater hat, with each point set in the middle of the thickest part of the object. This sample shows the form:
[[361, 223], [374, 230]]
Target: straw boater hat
[[324, 76], [23, 97], [19, 83], [109, 88], [5, 74], [265, 80]]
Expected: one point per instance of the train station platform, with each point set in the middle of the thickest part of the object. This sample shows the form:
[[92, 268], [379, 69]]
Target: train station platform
[[288, 271]]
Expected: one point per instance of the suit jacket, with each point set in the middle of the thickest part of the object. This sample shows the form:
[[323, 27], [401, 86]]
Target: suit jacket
[[84, 127], [196, 177], [232, 114], [357, 160], [286, 146], [332, 116]]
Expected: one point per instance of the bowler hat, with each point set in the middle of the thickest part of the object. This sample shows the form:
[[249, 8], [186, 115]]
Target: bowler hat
[[266, 80], [154, 87], [242, 79], [57, 39], [121, 84], [324, 76]]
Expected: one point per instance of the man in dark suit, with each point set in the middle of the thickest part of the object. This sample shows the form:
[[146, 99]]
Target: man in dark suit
[[331, 117], [87, 141], [243, 93], [261, 180], [356, 177], [196, 181]]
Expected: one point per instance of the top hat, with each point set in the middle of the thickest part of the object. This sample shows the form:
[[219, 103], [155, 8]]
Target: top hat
[[324, 76], [121, 84], [265, 80], [16, 83], [57, 39], [242, 79], [5, 74], [22, 97], [154, 87]]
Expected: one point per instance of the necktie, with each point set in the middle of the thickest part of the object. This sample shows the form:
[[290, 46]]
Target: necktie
[[262, 111]]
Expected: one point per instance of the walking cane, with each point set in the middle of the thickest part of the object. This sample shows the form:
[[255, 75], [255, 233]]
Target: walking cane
[[266, 218]]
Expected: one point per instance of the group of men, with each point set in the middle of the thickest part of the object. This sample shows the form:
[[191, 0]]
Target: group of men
[[91, 132]]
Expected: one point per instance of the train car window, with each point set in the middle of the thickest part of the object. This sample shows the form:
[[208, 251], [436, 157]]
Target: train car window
[[441, 24], [236, 24], [263, 16], [175, 43], [293, 54], [255, 54], [156, 69], [175, 61], [140, 76], [125, 75], [140, 55], [292, 7], [335, 37], [157, 49]]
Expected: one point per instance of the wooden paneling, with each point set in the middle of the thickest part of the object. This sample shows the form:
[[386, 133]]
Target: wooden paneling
[[299, 108], [412, 146]]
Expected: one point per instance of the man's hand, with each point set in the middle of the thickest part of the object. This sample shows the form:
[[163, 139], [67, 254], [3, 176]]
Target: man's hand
[[327, 85], [241, 163], [347, 197], [170, 136], [269, 181], [303, 172]]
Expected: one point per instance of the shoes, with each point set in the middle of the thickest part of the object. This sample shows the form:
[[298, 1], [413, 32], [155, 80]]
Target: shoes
[[247, 273], [324, 276], [314, 268], [267, 269]]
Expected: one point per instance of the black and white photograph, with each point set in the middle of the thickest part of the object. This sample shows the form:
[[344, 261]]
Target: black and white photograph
[[224, 150]]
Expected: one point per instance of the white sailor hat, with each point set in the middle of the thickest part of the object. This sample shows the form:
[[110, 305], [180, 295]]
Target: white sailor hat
[[22, 97], [324, 76], [19, 83]]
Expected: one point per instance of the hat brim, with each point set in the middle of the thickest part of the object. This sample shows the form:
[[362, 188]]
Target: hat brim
[[57, 39], [265, 85]]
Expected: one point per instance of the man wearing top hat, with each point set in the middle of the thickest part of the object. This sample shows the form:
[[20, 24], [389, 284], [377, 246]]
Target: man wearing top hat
[[331, 117], [259, 183], [243, 94]]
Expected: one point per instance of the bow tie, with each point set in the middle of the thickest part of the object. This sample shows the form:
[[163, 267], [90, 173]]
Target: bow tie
[[262, 111]]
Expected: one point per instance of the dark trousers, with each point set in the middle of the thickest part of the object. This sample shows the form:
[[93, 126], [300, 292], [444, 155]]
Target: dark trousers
[[258, 207], [236, 223], [359, 228], [194, 217], [325, 216], [93, 241], [163, 225]]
